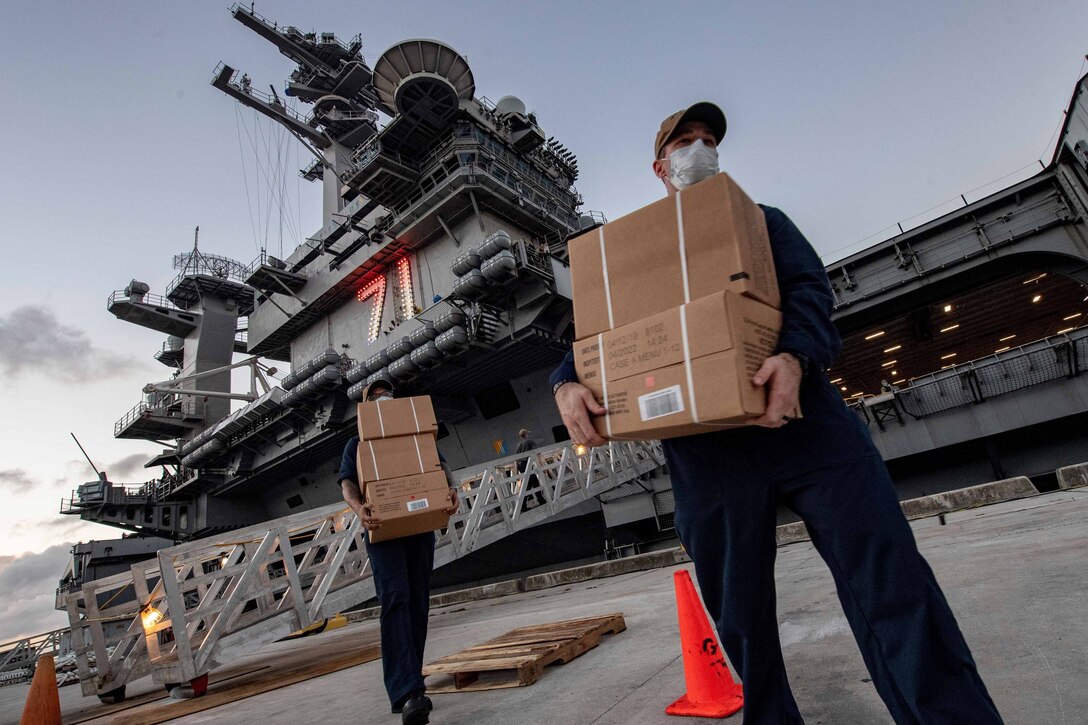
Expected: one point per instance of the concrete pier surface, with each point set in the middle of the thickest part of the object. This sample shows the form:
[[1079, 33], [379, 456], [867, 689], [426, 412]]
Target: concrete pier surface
[[1015, 573]]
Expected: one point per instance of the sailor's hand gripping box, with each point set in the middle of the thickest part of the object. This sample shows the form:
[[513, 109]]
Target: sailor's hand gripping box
[[408, 505], [683, 371]]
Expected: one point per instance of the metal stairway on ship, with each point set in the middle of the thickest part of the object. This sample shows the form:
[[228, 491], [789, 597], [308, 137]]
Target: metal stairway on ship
[[204, 603]]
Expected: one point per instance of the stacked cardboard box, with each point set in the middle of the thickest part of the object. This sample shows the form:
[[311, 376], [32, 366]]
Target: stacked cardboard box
[[402, 476], [675, 308]]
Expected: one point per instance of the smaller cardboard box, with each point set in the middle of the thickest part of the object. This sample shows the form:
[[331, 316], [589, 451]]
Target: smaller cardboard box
[[397, 417], [408, 505], [384, 458], [707, 238], [684, 371]]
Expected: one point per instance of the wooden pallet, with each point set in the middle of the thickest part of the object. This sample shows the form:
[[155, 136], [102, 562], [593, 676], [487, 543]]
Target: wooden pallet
[[519, 657]]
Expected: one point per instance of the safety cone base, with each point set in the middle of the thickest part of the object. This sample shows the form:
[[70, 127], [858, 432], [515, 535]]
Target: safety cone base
[[711, 690], [723, 707]]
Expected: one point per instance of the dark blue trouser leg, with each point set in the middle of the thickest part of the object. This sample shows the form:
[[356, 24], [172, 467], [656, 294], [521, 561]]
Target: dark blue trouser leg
[[726, 490], [402, 574], [920, 664], [728, 528], [421, 556]]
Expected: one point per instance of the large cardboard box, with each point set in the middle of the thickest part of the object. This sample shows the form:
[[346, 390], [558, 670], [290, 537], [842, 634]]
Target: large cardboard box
[[707, 238], [408, 505], [397, 417], [384, 458], [683, 371]]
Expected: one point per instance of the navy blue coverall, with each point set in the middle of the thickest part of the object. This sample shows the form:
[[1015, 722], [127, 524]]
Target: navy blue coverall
[[402, 579], [727, 485]]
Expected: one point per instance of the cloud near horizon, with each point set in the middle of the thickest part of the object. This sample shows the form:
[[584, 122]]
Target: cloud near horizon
[[28, 586], [15, 480], [33, 339]]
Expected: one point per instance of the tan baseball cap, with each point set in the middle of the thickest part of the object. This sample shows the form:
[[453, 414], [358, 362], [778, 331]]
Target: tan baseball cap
[[703, 111]]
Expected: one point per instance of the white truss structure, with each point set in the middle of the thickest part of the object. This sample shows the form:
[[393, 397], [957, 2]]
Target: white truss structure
[[225, 595]]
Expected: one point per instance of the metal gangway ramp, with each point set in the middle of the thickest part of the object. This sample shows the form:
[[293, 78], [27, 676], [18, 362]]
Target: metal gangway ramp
[[204, 603]]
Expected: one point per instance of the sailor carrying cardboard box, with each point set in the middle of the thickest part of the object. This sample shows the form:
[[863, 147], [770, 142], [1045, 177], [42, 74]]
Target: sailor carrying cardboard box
[[675, 309]]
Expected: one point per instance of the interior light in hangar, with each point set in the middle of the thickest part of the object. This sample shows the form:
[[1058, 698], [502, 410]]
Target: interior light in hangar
[[836, 381], [889, 363], [1006, 338], [1002, 349], [949, 328], [893, 348], [1062, 332], [1071, 317], [874, 335], [899, 382], [843, 388], [951, 354], [948, 308], [1036, 299], [1036, 278]]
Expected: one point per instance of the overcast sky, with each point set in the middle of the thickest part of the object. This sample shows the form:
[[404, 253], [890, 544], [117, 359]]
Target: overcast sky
[[849, 116]]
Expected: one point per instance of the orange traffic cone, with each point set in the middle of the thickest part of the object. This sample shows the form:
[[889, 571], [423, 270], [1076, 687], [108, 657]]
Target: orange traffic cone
[[43, 702], [711, 691]]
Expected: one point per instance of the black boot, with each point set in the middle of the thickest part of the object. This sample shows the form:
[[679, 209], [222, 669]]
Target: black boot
[[417, 710]]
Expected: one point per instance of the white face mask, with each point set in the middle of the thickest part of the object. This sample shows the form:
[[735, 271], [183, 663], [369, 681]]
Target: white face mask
[[385, 396], [692, 163]]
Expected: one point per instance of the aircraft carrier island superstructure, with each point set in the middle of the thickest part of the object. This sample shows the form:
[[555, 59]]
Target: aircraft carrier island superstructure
[[442, 265]]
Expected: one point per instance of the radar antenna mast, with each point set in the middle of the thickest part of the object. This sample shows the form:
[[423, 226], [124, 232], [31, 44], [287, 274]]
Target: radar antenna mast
[[101, 476]]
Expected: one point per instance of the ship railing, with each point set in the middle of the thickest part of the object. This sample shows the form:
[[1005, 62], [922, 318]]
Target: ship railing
[[531, 255], [472, 137], [266, 98], [162, 488], [221, 596], [117, 494], [976, 381], [522, 490], [131, 416], [184, 407], [373, 149], [361, 114], [1023, 218], [515, 164], [225, 595], [314, 169], [71, 505], [264, 259], [146, 298], [17, 656], [487, 104], [292, 31]]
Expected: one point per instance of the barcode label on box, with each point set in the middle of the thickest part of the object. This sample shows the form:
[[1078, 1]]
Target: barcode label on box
[[661, 403], [420, 503]]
